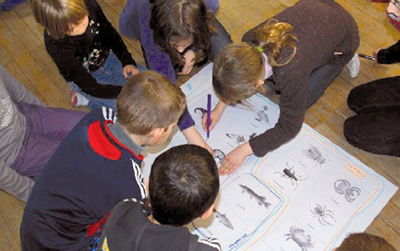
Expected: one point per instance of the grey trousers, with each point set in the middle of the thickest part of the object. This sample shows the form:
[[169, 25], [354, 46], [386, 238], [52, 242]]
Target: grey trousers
[[320, 80]]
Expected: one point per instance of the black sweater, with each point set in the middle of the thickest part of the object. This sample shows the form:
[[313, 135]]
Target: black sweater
[[78, 56]]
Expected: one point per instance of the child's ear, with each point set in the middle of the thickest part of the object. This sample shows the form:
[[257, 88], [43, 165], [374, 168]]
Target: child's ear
[[208, 212], [259, 83], [156, 134]]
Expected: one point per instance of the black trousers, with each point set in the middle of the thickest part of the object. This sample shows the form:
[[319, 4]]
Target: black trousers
[[376, 127]]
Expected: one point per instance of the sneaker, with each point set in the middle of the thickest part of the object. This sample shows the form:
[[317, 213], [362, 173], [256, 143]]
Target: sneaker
[[353, 67], [78, 100]]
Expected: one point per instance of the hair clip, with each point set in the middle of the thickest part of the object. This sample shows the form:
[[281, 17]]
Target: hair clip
[[260, 49]]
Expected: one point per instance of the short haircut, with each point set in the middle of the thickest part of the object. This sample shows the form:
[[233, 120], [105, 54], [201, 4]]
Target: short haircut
[[147, 101], [57, 16], [365, 242], [183, 184], [189, 17]]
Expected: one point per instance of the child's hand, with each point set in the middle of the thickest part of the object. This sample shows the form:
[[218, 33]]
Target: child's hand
[[215, 116], [375, 54], [188, 60], [193, 137], [235, 158], [129, 70]]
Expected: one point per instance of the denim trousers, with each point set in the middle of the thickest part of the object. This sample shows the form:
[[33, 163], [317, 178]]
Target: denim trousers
[[111, 73]]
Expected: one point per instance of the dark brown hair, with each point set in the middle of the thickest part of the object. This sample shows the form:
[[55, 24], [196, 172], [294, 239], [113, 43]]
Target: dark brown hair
[[365, 242], [183, 184], [180, 19], [239, 66], [57, 16], [147, 101]]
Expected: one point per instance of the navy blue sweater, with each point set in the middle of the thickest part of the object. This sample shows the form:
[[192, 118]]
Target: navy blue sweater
[[94, 168]]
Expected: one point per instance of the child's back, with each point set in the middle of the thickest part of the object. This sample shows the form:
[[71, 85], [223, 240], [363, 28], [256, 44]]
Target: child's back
[[130, 229], [183, 185]]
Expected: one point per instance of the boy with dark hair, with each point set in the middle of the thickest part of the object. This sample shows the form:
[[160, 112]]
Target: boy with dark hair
[[183, 185], [98, 165]]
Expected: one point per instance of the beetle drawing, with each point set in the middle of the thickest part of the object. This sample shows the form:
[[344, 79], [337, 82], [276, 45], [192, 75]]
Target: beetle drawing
[[325, 216], [299, 236], [314, 154], [290, 174], [344, 187]]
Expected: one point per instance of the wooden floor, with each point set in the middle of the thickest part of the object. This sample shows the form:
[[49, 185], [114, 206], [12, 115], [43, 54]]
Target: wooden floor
[[23, 54]]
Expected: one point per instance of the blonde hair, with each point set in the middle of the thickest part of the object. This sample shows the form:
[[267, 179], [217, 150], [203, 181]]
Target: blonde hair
[[239, 66], [365, 242], [147, 101], [57, 16]]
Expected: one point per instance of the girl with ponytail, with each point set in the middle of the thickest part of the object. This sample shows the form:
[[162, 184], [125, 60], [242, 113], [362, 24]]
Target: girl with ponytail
[[296, 55]]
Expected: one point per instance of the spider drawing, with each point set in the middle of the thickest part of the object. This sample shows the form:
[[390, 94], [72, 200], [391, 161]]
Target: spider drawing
[[325, 216]]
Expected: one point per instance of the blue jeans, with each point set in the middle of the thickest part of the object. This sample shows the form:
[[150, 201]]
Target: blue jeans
[[111, 73]]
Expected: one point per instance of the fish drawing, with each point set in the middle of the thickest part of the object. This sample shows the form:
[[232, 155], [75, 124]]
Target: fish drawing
[[223, 219], [260, 199]]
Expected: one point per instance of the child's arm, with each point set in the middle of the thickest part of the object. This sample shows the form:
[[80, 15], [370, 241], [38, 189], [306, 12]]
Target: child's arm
[[111, 36], [72, 70]]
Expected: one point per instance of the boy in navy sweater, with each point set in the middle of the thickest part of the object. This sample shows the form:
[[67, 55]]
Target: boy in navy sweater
[[98, 165], [183, 185]]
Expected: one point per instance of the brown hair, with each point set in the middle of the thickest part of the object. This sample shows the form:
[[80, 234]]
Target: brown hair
[[182, 18], [57, 16], [147, 101], [365, 242], [238, 67]]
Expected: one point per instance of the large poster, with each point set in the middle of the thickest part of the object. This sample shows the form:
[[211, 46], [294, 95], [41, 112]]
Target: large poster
[[309, 194]]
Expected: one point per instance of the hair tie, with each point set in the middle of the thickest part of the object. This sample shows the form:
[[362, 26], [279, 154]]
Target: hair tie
[[259, 49]]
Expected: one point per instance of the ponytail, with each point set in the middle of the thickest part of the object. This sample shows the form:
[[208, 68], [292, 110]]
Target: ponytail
[[272, 37]]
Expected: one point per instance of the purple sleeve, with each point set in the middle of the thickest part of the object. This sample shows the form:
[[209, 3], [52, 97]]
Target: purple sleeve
[[212, 5]]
